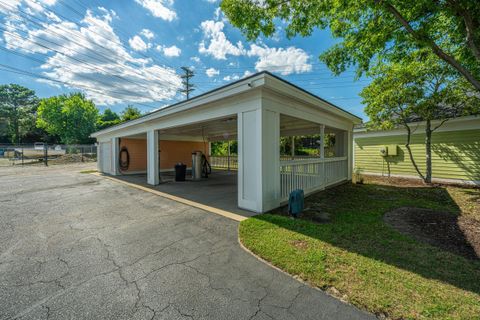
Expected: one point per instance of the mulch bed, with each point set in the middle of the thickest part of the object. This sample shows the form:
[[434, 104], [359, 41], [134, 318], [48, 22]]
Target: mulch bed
[[457, 234]]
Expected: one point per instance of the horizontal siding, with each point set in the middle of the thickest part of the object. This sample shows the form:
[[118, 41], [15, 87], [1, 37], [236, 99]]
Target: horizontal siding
[[455, 155]]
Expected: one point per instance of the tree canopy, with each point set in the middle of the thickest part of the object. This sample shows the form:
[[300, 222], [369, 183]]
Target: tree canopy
[[72, 117], [130, 113], [17, 107], [372, 30], [107, 119]]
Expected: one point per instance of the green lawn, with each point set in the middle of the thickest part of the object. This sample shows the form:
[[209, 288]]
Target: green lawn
[[360, 259]]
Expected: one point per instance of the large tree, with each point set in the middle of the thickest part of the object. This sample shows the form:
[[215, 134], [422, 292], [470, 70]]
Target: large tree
[[419, 87], [368, 29], [17, 109], [107, 119], [72, 117]]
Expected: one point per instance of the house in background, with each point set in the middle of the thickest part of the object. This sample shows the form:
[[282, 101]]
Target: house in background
[[256, 111], [455, 151]]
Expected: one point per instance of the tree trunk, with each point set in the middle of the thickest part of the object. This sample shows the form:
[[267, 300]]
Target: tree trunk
[[412, 159], [428, 152]]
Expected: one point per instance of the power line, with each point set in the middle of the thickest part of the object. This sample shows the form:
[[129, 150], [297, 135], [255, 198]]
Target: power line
[[124, 92], [70, 40], [87, 64], [34, 75]]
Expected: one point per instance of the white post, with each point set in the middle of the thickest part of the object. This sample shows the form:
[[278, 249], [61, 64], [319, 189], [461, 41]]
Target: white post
[[228, 157], [293, 147], [115, 156], [350, 154], [153, 160], [322, 151], [258, 160]]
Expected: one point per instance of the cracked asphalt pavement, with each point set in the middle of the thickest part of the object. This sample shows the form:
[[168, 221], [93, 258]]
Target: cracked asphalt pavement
[[78, 246]]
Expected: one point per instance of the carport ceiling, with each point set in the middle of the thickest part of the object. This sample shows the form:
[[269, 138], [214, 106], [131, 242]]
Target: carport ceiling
[[226, 129], [290, 126], [218, 129]]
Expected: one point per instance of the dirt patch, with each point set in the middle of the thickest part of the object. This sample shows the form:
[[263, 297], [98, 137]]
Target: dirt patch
[[457, 234], [299, 244]]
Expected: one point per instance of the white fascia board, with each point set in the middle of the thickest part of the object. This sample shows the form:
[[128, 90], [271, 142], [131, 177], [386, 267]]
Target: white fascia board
[[211, 111], [221, 93], [290, 90], [275, 101], [456, 124]]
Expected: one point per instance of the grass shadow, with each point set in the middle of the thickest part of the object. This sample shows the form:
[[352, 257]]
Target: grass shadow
[[357, 226]]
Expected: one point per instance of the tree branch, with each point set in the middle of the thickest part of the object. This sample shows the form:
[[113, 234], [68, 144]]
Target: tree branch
[[421, 39], [440, 124], [469, 27]]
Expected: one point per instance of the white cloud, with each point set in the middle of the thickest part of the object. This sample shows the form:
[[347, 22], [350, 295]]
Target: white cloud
[[196, 59], [92, 58], [159, 8], [231, 78], [247, 73], [219, 46], [286, 61], [147, 34], [172, 51], [211, 72], [137, 44]]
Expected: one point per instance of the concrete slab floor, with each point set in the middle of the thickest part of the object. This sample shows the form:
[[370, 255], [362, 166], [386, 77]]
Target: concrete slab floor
[[219, 190]]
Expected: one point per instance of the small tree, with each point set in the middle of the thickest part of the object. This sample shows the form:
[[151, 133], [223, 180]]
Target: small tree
[[72, 117], [17, 109], [418, 89], [130, 113]]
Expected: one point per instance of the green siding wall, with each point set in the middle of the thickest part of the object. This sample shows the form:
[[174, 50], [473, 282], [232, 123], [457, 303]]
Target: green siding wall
[[455, 155]]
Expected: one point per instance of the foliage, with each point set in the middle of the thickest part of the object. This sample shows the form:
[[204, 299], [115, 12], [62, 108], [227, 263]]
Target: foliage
[[417, 87], [107, 119], [72, 117], [130, 113], [372, 29], [359, 258], [17, 109], [220, 148]]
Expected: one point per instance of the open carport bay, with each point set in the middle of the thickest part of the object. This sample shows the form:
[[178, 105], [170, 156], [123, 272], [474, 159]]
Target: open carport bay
[[78, 246]]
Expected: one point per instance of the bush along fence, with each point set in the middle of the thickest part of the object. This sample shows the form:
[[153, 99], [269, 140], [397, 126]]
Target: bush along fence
[[45, 154]]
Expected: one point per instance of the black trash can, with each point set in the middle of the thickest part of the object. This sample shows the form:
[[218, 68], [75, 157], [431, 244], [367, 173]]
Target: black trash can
[[180, 171]]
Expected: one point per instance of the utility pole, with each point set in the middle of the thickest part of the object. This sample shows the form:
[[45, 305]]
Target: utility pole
[[187, 85]]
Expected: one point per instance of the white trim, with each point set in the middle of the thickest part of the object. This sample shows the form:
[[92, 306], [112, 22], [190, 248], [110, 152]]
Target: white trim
[[457, 124], [434, 180], [261, 80]]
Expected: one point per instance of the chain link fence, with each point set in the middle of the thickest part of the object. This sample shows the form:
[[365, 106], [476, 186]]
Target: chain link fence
[[45, 154]]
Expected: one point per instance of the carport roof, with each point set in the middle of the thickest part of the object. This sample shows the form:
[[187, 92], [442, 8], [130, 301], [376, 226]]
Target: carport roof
[[263, 76]]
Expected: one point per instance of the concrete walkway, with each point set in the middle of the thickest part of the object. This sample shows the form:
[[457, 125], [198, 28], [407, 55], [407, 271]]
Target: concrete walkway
[[78, 246]]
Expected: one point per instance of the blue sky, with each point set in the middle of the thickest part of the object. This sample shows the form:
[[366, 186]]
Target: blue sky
[[130, 52]]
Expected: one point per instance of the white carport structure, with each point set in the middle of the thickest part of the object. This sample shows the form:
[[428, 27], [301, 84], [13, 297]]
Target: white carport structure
[[256, 111]]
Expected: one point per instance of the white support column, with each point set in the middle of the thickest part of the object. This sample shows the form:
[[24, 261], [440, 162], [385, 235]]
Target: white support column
[[99, 157], [350, 154], [259, 160], [115, 156], [153, 171], [322, 152], [293, 147]]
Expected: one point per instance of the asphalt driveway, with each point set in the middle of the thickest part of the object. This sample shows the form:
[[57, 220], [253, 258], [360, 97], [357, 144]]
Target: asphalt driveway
[[77, 246]]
